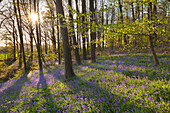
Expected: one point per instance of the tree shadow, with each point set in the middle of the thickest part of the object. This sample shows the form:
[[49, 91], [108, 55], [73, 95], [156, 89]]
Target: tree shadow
[[10, 94], [43, 93], [9, 61], [48, 61], [100, 98], [12, 88]]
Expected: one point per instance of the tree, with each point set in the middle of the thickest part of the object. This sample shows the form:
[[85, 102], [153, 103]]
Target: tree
[[92, 32], [36, 6], [50, 5], [154, 35], [78, 19], [29, 24], [19, 24], [121, 18], [102, 20], [75, 44], [9, 20], [66, 47], [83, 35], [58, 34], [31, 32]]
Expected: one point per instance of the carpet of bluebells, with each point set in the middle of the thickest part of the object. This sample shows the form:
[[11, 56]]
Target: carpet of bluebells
[[117, 84]]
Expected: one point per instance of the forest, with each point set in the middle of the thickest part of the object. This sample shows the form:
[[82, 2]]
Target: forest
[[84, 56]]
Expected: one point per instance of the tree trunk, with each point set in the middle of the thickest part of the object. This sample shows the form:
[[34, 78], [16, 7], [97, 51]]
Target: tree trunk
[[13, 34], [92, 33], [151, 38], [142, 10], [31, 32], [58, 39], [133, 14], [76, 48], [52, 27], [58, 34], [78, 38], [84, 32], [19, 50], [19, 23], [102, 19], [66, 47], [46, 47], [88, 53], [138, 11], [121, 17], [36, 3], [53, 37]]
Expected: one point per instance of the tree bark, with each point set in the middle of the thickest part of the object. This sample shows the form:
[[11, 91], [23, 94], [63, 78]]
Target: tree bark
[[45, 41], [92, 33], [84, 32], [102, 19], [66, 47], [76, 48], [58, 34], [19, 23], [31, 32], [133, 14], [151, 38], [13, 34], [58, 39], [121, 17], [78, 18], [52, 27], [38, 36]]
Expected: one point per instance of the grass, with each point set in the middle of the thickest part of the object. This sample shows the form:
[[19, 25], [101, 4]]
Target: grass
[[117, 83]]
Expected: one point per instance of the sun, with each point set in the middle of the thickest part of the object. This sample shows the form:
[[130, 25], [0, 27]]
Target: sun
[[34, 17]]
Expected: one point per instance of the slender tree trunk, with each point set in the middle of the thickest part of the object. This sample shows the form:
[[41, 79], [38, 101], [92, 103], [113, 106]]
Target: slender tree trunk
[[58, 34], [31, 32], [45, 41], [133, 14], [87, 36], [112, 21], [151, 38], [142, 10], [133, 19], [17, 43], [83, 35], [19, 22], [138, 11], [92, 33], [107, 22], [66, 47], [88, 53], [78, 37], [20, 51], [13, 34], [121, 17], [39, 28], [36, 3], [58, 39], [52, 27], [102, 19], [53, 37], [76, 48]]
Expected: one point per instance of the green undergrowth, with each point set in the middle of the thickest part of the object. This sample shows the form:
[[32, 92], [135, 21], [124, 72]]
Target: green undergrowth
[[117, 84]]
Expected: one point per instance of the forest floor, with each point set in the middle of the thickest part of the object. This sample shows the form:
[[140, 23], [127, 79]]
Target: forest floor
[[115, 83]]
